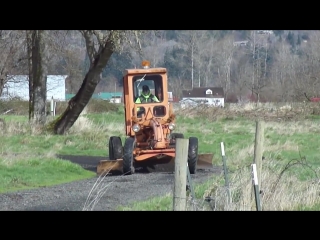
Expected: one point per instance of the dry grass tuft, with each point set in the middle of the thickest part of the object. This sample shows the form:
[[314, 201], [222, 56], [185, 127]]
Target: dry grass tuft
[[280, 191]]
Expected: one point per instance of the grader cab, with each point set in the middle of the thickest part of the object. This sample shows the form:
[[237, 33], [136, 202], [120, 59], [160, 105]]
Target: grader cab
[[149, 126]]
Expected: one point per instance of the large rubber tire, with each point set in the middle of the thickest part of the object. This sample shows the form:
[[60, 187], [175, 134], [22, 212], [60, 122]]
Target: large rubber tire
[[193, 154], [128, 147], [174, 136], [115, 148], [177, 135]]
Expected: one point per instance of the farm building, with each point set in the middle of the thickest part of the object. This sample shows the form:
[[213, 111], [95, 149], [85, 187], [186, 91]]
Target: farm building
[[18, 86], [203, 95]]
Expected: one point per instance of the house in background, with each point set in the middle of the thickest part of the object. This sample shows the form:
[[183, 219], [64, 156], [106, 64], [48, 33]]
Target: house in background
[[213, 96], [18, 86], [115, 97]]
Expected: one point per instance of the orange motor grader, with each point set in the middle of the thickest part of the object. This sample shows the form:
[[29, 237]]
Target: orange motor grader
[[149, 127]]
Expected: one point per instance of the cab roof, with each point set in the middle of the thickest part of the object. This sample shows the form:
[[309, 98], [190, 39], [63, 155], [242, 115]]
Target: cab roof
[[145, 70]]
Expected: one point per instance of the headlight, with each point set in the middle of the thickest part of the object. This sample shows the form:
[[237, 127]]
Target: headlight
[[172, 126], [136, 127]]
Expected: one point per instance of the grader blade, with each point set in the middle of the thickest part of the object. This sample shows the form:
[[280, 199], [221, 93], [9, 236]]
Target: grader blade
[[205, 161], [110, 167], [114, 167]]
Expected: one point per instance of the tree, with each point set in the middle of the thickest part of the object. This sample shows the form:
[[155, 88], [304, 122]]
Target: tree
[[283, 72], [29, 40], [115, 66], [209, 61], [70, 58], [189, 38], [241, 72], [175, 61], [299, 40], [290, 39], [225, 55], [307, 69], [11, 41], [278, 32], [100, 45], [154, 46], [38, 71]]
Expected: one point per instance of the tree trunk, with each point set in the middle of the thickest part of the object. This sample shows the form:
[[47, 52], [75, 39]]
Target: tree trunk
[[29, 55], [83, 96], [39, 76], [2, 83]]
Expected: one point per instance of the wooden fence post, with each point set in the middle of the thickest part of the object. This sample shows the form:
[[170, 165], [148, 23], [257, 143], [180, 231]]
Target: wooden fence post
[[180, 175]]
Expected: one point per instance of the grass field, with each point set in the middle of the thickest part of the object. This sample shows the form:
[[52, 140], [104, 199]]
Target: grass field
[[290, 169]]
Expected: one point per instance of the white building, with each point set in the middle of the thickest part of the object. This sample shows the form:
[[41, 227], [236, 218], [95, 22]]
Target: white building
[[213, 96], [240, 43], [18, 86], [265, 32]]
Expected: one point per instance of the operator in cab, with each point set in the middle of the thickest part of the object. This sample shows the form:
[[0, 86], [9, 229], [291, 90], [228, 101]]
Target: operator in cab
[[146, 96]]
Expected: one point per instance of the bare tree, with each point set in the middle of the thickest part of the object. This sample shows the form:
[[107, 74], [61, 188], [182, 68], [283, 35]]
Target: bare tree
[[242, 72], [201, 56], [258, 52], [100, 45], [282, 73], [225, 57], [71, 59], [260, 68], [11, 43], [307, 81], [189, 40], [210, 58], [154, 46]]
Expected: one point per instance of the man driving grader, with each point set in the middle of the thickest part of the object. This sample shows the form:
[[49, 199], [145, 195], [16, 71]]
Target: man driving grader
[[149, 126], [146, 96]]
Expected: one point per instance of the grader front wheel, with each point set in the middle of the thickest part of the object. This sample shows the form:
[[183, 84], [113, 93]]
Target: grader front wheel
[[115, 148], [128, 147]]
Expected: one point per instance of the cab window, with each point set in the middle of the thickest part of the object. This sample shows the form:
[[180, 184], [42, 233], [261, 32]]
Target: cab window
[[154, 83]]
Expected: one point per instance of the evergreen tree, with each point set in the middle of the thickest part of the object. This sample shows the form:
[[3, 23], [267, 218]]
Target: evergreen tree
[[290, 39], [299, 40], [116, 64]]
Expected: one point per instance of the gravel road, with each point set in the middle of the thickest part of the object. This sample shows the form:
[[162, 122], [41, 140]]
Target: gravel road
[[121, 190]]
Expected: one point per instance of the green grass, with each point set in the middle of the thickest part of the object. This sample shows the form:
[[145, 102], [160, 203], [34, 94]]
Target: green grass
[[17, 173], [284, 141], [14, 118], [153, 204], [90, 144]]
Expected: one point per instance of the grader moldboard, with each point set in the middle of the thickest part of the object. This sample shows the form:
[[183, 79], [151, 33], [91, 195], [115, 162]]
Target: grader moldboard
[[150, 140]]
